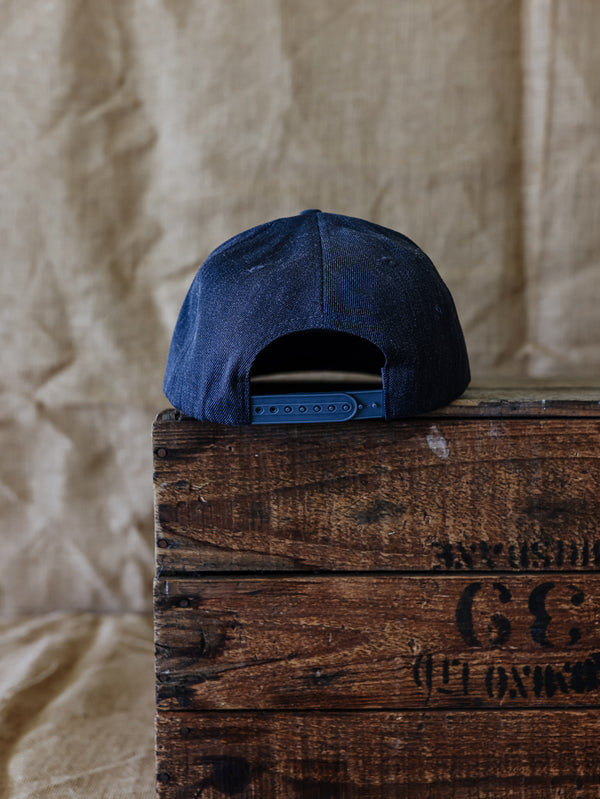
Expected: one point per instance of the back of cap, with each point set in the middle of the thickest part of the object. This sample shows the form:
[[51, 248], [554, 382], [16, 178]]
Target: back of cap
[[316, 291]]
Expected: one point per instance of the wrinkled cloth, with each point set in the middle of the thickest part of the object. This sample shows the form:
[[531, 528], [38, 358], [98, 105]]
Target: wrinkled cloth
[[138, 135], [77, 707]]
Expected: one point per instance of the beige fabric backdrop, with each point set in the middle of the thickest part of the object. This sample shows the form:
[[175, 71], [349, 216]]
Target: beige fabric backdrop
[[137, 135]]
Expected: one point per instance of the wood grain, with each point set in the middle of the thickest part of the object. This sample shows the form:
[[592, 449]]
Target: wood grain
[[529, 398], [474, 495], [377, 755], [377, 642], [496, 398], [406, 609]]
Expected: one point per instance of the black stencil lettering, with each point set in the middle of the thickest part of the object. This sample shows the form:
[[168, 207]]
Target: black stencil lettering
[[549, 682], [445, 677], [429, 674], [428, 666], [537, 606], [489, 682], [445, 671], [574, 635], [464, 614], [518, 682], [417, 671], [502, 681], [573, 557], [585, 554], [465, 678], [445, 554], [577, 681], [484, 549], [538, 681], [591, 666], [578, 596], [499, 630], [499, 627], [504, 594], [561, 682], [466, 556], [576, 599], [540, 551], [584, 674]]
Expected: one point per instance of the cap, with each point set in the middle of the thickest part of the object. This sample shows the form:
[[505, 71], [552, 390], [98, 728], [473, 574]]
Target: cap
[[316, 291]]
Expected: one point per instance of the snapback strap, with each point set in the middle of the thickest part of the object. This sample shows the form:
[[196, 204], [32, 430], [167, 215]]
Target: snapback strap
[[332, 406]]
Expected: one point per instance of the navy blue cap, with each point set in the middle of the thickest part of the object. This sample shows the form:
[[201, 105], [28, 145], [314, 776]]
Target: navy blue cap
[[316, 290]]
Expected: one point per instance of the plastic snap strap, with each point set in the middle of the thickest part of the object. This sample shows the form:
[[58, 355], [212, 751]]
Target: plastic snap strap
[[334, 406]]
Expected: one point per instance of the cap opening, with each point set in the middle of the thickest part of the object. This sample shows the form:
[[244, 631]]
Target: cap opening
[[318, 360]]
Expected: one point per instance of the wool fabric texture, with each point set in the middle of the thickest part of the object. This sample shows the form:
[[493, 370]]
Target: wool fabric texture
[[316, 272]]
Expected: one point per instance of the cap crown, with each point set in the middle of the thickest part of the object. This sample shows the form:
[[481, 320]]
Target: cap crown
[[315, 271]]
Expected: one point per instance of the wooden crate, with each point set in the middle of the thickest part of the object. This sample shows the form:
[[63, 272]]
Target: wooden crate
[[406, 609]]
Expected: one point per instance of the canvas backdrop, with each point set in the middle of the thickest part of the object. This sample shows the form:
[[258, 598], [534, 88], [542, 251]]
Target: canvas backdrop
[[136, 136]]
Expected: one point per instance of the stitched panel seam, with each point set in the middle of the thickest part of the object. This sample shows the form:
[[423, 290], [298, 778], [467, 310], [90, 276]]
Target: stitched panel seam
[[322, 266]]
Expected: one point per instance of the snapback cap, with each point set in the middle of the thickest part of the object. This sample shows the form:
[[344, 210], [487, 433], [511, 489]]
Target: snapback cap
[[316, 291]]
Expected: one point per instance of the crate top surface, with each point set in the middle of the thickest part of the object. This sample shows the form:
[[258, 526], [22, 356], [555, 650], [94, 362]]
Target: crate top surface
[[497, 399]]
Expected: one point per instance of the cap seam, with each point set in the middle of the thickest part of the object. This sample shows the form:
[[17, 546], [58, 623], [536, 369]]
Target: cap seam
[[321, 244]]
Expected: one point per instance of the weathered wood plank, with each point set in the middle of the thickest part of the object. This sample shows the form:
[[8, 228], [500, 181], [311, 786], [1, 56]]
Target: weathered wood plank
[[462, 667], [377, 755], [368, 641], [494, 399], [530, 398], [455, 494]]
